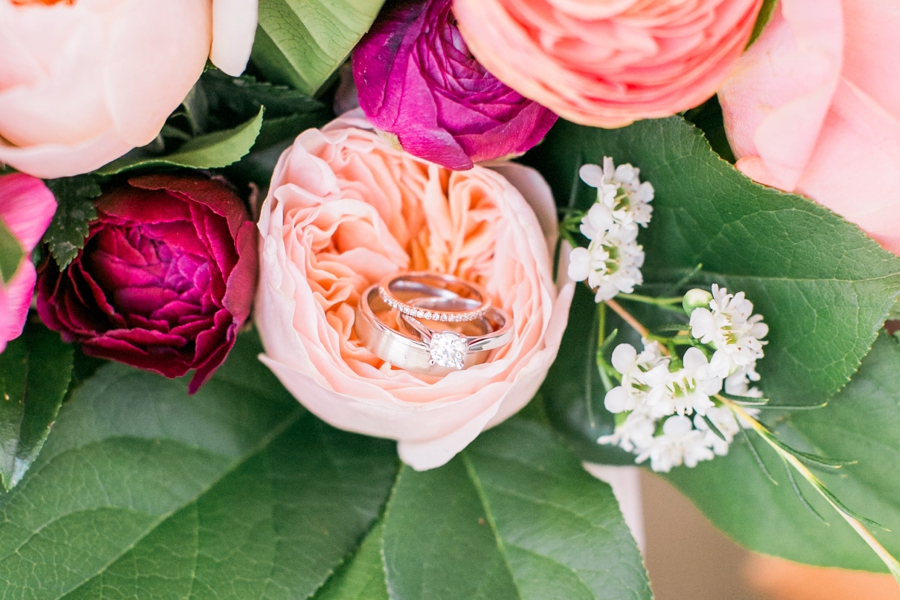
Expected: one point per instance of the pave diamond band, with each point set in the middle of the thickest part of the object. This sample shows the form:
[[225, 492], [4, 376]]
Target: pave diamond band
[[400, 292]]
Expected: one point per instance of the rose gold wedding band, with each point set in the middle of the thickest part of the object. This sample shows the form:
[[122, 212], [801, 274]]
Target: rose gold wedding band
[[400, 290]]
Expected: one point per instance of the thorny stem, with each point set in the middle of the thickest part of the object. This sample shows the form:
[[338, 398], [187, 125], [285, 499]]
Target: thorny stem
[[886, 557]]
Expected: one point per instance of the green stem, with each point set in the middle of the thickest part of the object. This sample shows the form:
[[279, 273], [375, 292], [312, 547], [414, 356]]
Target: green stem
[[601, 339], [652, 300], [886, 557]]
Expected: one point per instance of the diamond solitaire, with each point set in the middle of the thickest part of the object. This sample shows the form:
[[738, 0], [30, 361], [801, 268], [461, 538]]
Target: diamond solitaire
[[448, 349]]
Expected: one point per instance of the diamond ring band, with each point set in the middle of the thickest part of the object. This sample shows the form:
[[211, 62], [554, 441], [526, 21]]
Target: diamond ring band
[[462, 331], [400, 292]]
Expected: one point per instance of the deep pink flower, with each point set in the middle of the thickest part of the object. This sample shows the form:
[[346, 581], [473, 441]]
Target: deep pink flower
[[417, 80], [26, 209], [165, 280]]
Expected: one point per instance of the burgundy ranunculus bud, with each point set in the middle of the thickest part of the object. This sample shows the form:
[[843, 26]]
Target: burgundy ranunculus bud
[[417, 80], [165, 280]]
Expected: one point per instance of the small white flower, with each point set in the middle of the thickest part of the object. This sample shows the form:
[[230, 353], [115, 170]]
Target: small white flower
[[633, 368], [597, 222], [725, 422], [612, 261], [631, 200], [684, 391], [679, 444], [730, 326], [738, 383], [593, 176], [634, 434]]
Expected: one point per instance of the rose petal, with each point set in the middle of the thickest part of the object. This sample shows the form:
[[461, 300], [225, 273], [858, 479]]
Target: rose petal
[[234, 28]]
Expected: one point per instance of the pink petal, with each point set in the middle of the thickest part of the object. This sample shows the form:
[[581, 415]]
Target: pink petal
[[777, 96], [50, 161], [859, 143], [26, 208], [15, 298], [234, 27], [157, 51]]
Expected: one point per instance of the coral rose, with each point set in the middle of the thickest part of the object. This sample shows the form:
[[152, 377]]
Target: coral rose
[[418, 81], [83, 82], [814, 107], [345, 208], [26, 208], [607, 64], [165, 280]]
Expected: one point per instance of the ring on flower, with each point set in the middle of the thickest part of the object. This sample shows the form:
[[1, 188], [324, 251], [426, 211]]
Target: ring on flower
[[397, 291], [421, 349]]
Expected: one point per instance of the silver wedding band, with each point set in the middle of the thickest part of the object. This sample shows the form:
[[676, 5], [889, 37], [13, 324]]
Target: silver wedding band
[[401, 339]]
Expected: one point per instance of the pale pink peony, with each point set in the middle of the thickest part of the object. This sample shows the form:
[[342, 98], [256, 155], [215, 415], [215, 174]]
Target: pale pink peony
[[814, 107], [345, 208], [84, 81], [609, 63], [26, 209]]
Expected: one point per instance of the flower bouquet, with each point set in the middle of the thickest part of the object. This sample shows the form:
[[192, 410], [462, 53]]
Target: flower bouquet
[[310, 299]]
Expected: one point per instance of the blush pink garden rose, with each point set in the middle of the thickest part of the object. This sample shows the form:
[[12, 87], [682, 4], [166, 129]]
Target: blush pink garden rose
[[345, 208], [26, 208], [609, 63], [814, 107], [84, 81]]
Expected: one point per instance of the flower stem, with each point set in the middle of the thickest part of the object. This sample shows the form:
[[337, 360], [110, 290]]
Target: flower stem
[[601, 343], [632, 322], [886, 557], [628, 318], [652, 300]]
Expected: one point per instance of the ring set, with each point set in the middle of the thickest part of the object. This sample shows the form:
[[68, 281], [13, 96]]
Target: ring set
[[430, 323]]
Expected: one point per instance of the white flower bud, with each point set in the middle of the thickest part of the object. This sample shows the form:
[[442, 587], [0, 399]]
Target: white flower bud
[[696, 299]]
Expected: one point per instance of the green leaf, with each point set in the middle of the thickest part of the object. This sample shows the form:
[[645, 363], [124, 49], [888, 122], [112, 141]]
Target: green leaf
[[823, 287], [71, 221], [145, 492], [860, 423], [276, 135], [35, 370], [210, 151], [245, 95], [302, 42], [513, 516], [363, 577], [573, 392], [11, 253]]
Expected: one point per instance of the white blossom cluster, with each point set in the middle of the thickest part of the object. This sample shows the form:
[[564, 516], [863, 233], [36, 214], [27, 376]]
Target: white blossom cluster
[[613, 259], [666, 402]]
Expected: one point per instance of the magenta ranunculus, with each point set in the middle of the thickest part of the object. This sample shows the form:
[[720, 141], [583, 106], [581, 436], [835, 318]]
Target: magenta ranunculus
[[165, 280], [417, 80]]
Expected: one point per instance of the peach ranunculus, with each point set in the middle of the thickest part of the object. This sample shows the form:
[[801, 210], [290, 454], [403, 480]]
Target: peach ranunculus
[[813, 107], [84, 81], [609, 63], [26, 209], [346, 208]]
